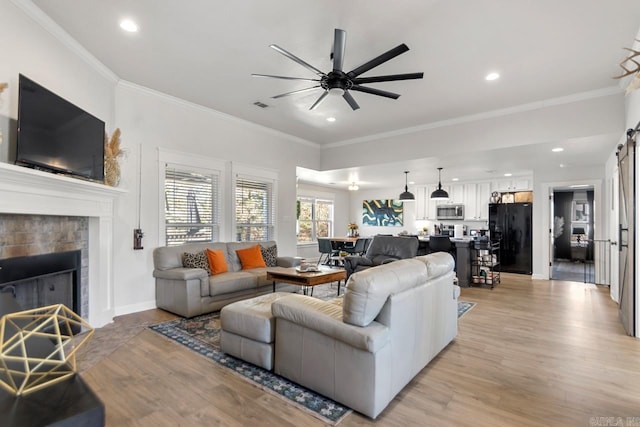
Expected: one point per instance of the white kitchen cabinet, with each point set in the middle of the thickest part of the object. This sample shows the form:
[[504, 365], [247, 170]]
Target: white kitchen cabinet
[[456, 193], [425, 207], [483, 194], [476, 201], [517, 184], [470, 201]]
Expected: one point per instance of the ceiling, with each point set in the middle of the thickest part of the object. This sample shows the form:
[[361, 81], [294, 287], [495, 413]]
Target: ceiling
[[204, 51]]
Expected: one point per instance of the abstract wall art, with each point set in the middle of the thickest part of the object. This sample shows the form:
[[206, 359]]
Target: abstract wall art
[[385, 213]]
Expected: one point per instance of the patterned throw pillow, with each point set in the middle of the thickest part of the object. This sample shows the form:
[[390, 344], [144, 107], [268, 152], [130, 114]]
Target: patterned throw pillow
[[269, 255], [197, 260]]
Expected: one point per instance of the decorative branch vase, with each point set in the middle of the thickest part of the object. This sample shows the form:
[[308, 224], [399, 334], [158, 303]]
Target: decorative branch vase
[[112, 151], [111, 172]]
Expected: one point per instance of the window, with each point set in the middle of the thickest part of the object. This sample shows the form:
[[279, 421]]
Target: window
[[315, 219], [191, 205], [255, 208]]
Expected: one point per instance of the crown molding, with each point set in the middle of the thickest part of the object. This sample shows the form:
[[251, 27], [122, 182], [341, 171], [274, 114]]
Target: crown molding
[[583, 96], [42, 19], [228, 117]]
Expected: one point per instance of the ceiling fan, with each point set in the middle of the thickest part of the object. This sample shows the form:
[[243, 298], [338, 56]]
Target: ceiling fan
[[340, 83]]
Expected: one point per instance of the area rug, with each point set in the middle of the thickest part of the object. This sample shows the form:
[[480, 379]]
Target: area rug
[[201, 334], [464, 307]]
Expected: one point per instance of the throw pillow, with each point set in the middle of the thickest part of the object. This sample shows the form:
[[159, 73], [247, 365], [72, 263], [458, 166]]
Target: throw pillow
[[217, 261], [197, 260], [251, 257], [269, 255]]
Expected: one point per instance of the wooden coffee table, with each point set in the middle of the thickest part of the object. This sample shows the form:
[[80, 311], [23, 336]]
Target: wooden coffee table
[[306, 279]]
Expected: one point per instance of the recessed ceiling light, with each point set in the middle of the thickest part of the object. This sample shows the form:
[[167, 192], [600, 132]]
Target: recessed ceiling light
[[557, 149], [508, 174], [455, 179], [128, 25], [412, 182], [331, 119], [492, 76]]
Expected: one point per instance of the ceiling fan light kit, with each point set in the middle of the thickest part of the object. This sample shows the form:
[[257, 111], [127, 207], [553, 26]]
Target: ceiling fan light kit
[[406, 195], [439, 193], [339, 83]]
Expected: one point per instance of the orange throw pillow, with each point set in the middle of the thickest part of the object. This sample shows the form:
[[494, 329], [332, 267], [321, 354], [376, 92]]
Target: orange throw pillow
[[251, 257], [217, 262]]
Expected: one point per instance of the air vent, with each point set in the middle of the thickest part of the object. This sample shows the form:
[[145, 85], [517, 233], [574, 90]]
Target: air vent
[[260, 104]]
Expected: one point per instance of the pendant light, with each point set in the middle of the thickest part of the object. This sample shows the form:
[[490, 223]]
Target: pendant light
[[406, 195], [439, 194]]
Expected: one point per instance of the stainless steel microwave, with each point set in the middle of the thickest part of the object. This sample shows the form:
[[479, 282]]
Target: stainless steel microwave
[[450, 212]]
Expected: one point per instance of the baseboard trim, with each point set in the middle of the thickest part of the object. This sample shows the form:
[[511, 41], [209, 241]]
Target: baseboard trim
[[539, 277], [134, 308]]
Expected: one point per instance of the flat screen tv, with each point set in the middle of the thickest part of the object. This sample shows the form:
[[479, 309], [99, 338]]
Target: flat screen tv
[[56, 136]]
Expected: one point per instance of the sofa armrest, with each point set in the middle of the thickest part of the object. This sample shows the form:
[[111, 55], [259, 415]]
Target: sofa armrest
[[287, 261], [180, 274], [326, 318]]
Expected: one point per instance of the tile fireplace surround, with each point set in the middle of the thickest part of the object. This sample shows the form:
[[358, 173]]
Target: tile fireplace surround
[[32, 192]]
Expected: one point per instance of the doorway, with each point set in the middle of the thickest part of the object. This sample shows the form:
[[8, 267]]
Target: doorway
[[573, 234]]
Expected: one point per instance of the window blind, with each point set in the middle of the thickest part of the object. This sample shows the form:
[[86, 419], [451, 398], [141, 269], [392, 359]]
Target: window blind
[[192, 212], [254, 209]]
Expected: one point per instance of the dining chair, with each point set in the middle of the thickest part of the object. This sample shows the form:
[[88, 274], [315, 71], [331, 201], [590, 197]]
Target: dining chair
[[326, 249], [358, 248]]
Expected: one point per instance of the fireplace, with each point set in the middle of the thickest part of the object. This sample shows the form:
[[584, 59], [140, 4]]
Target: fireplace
[[43, 280], [26, 191]]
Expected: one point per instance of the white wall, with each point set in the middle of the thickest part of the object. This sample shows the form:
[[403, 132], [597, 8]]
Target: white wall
[[408, 214], [148, 121], [28, 49], [341, 214], [571, 117]]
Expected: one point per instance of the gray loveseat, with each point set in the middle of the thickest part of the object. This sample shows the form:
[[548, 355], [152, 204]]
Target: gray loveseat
[[394, 319], [191, 291]]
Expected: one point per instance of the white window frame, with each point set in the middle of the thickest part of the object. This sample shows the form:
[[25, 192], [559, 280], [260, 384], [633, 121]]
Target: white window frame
[[316, 196], [269, 176], [198, 164]]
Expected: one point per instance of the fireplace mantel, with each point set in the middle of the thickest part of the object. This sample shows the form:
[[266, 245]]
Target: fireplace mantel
[[33, 192]]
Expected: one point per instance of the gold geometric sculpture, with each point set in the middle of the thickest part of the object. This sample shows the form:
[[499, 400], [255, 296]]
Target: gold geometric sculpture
[[38, 347]]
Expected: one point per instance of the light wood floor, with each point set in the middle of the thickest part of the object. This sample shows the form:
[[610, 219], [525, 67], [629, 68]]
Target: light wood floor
[[530, 353]]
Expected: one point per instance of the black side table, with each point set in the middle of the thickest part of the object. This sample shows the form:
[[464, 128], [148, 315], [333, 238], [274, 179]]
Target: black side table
[[69, 403]]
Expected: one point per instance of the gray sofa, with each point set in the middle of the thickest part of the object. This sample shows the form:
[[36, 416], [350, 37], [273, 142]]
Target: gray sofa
[[191, 291], [394, 319], [383, 249]]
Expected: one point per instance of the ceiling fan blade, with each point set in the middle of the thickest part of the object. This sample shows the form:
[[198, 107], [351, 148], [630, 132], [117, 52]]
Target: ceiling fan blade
[[292, 57], [284, 77], [390, 54], [295, 92], [388, 78], [319, 101], [339, 44], [352, 102], [375, 91]]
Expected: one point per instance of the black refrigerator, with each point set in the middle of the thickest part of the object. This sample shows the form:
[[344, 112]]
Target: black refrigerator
[[511, 224]]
